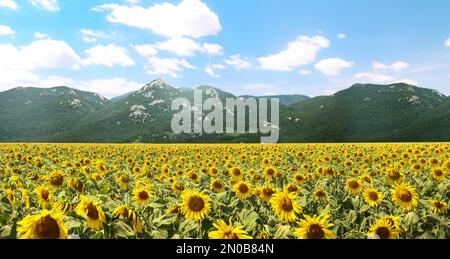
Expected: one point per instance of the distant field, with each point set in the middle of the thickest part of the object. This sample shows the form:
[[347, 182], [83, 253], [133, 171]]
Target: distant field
[[96, 191]]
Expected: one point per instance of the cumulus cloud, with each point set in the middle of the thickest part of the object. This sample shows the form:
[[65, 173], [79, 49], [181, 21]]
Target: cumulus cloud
[[305, 72], [110, 87], [9, 4], [191, 18], [302, 51], [332, 66], [107, 55], [397, 66], [49, 5], [167, 66], [447, 42], [188, 47], [373, 77], [40, 35], [407, 81], [210, 70], [92, 36], [146, 50], [342, 36], [6, 30], [238, 62]]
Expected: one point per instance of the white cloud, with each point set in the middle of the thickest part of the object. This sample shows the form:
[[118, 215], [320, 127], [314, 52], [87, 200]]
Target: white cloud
[[305, 72], [188, 47], [373, 77], [107, 55], [133, 1], [237, 62], [342, 36], [191, 18], [407, 81], [447, 42], [49, 5], [329, 92], [332, 66], [40, 35], [166, 66], [213, 49], [6, 30], [109, 87], [397, 66], [302, 51], [92, 36], [210, 69], [145, 50], [9, 4]]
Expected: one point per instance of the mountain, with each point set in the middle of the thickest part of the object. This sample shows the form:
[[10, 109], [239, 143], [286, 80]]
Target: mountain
[[36, 114], [361, 113], [396, 112], [284, 99], [121, 97]]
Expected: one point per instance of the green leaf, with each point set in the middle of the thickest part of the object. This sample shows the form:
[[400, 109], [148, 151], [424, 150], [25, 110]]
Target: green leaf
[[411, 218], [282, 232]]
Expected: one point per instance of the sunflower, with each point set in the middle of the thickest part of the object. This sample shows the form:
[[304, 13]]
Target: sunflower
[[56, 178], [76, 184], [405, 196], [263, 234], [46, 225], [217, 185], [173, 209], [228, 231], [25, 198], [127, 213], [373, 197], [438, 174], [142, 195], [243, 190], [214, 171], [91, 211], [366, 179], [123, 181], [314, 228], [383, 229], [353, 186], [393, 176], [45, 197], [299, 178], [438, 206], [393, 221], [266, 192], [178, 187], [64, 207], [235, 173], [270, 172], [285, 206], [320, 195], [291, 188], [196, 205], [11, 196]]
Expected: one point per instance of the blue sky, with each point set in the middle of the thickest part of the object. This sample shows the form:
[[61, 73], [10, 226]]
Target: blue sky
[[245, 47]]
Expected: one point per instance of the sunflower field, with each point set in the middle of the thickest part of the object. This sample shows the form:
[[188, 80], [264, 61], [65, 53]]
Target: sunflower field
[[313, 191]]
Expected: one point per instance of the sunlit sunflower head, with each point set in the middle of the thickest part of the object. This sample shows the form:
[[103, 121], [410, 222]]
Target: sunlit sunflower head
[[353, 186], [243, 190], [193, 177], [45, 197], [438, 174], [285, 206], [217, 185], [291, 188], [174, 209], [383, 229], [393, 176], [314, 228], [76, 184], [393, 221], [417, 168], [56, 178], [438, 206], [46, 225], [228, 231], [177, 187], [126, 213], [91, 211], [263, 234], [213, 171], [366, 179], [196, 205], [123, 181], [447, 166], [64, 207], [11, 196], [405, 196], [270, 172], [235, 172], [299, 178], [142, 195], [321, 195], [373, 197], [266, 192]]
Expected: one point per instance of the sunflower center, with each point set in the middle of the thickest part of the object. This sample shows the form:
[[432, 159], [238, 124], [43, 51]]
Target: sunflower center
[[270, 171], [405, 196], [394, 175], [321, 194], [373, 196], [45, 194], [143, 195], [57, 180], [217, 185], [196, 204], [315, 231], [286, 205], [214, 171], [383, 232], [438, 173], [243, 188], [438, 205], [292, 188], [47, 228], [92, 211], [299, 178], [268, 192], [353, 185], [236, 172]]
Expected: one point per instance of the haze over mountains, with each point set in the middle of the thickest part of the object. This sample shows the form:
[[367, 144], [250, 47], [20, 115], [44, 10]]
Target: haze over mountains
[[361, 113]]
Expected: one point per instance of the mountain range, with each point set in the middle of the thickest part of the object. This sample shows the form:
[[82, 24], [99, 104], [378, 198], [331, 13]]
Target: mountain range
[[361, 113]]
